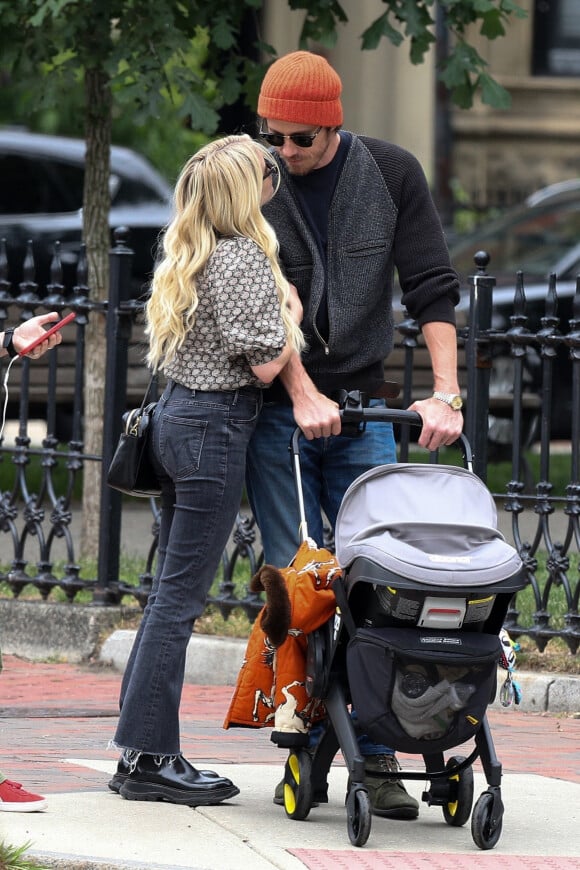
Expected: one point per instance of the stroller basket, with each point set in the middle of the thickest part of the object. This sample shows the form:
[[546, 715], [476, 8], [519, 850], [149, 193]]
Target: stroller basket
[[421, 691]]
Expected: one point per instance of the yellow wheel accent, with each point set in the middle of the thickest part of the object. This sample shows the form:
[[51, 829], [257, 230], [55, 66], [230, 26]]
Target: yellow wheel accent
[[452, 805], [457, 810], [298, 785], [294, 766], [289, 799]]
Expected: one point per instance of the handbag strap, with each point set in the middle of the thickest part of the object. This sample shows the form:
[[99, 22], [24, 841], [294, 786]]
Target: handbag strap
[[132, 419], [146, 396]]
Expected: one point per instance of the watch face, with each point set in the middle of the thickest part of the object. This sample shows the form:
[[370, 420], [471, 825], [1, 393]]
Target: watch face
[[456, 403]]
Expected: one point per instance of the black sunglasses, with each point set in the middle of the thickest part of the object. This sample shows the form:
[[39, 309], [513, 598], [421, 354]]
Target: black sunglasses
[[303, 140], [271, 170]]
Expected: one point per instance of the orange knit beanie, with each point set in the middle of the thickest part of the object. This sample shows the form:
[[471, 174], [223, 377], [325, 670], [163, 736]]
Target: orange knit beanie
[[301, 88]]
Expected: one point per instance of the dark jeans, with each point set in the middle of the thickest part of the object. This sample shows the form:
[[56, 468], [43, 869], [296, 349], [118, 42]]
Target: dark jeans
[[328, 467], [199, 443]]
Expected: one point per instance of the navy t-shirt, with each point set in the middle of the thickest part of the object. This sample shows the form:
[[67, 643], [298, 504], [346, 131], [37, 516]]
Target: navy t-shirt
[[315, 192]]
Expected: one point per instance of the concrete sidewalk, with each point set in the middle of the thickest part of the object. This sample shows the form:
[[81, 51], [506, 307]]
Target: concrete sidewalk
[[57, 719]]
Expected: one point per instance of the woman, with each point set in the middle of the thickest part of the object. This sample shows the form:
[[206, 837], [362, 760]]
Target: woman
[[222, 322]]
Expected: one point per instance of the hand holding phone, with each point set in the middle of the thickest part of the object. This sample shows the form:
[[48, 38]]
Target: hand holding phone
[[58, 325]]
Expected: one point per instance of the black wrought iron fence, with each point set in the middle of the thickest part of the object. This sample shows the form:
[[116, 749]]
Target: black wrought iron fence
[[504, 414]]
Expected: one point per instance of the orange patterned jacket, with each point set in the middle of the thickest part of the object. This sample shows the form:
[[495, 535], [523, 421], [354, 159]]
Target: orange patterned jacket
[[270, 688]]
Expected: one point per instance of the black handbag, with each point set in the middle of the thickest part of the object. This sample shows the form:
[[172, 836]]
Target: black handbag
[[131, 471]]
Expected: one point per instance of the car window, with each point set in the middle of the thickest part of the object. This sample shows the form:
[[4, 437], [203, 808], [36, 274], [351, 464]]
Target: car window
[[534, 241], [37, 186], [131, 192]]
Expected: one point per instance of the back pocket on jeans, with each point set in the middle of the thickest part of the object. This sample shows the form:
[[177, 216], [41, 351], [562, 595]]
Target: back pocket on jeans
[[181, 444]]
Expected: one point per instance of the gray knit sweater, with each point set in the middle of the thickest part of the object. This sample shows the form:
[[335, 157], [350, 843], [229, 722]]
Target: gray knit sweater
[[381, 218]]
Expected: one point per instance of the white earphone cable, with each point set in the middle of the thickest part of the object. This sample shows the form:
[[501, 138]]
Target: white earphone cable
[[5, 387]]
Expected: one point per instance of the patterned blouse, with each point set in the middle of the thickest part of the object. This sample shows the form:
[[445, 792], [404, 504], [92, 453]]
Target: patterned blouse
[[238, 321]]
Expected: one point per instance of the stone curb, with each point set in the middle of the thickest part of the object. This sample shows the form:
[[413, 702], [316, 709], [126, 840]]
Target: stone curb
[[216, 661], [210, 660], [83, 633]]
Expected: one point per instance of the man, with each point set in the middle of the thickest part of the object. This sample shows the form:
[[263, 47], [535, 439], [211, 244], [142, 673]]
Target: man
[[349, 211]]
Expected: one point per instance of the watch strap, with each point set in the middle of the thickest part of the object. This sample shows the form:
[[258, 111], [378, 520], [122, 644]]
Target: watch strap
[[452, 399], [8, 343]]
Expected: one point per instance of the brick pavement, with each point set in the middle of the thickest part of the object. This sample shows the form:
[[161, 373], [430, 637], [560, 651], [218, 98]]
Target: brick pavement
[[51, 711]]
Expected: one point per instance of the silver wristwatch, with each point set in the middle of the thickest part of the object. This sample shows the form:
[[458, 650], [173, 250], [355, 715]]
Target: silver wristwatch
[[452, 399]]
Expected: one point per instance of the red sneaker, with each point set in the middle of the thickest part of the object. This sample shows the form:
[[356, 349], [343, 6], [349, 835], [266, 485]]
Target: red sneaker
[[15, 799]]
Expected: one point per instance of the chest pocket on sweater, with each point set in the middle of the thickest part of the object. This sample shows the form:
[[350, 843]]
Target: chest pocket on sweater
[[361, 274], [367, 249]]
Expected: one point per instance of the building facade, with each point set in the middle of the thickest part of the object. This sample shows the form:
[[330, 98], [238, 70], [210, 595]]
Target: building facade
[[492, 157]]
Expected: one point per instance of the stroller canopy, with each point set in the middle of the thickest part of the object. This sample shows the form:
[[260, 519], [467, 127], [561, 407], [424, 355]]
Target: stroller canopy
[[436, 524]]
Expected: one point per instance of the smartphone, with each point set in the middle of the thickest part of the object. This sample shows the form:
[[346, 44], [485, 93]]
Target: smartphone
[[58, 325]]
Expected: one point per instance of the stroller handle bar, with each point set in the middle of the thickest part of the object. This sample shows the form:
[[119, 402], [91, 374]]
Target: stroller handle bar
[[359, 414]]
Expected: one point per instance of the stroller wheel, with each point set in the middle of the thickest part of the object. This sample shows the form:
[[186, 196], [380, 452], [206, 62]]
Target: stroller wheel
[[458, 808], [298, 785], [486, 821], [358, 815]]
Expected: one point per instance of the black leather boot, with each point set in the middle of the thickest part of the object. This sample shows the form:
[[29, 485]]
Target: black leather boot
[[172, 778], [121, 774]]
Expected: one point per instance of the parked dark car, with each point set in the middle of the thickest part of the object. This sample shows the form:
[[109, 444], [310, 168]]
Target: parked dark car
[[539, 237], [41, 196]]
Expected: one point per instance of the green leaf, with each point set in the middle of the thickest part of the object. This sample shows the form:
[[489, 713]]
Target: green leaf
[[223, 34], [48, 9], [492, 25], [483, 6], [420, 47], [462, 94], [416, 17], [494, 94], [230, 84], [379, 28], [509, 7], [320, 21], [203, 117]]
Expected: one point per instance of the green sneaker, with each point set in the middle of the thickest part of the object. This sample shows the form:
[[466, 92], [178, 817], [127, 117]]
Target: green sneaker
[[278, 798], [388, 797]]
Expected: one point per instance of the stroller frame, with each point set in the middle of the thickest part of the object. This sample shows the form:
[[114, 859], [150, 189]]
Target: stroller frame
[[450, 783]]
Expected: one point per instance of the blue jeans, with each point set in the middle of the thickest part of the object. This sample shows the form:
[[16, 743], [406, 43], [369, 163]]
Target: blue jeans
[[199, 442], [328, 467]]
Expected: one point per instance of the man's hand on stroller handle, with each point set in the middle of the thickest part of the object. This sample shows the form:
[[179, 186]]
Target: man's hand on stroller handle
[[442, 426], [317, 416], [356, 413]]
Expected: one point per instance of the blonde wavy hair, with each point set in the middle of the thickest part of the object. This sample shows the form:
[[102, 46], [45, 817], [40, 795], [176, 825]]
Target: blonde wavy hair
[[217, 194]]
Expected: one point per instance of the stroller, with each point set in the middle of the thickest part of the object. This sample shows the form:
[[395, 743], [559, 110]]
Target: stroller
[[414, 644]]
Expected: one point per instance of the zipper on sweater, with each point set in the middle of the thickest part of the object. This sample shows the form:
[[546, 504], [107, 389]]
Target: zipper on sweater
[[321, 340]]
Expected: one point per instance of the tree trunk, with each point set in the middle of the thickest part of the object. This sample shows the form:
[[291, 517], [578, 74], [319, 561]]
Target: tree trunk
[[96, 207]]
